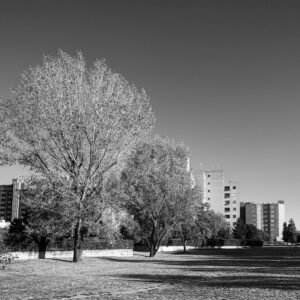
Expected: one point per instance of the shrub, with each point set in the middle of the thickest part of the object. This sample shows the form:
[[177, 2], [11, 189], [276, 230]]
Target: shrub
[[217, 242], [232, 242], [254, 243], [5, 256]]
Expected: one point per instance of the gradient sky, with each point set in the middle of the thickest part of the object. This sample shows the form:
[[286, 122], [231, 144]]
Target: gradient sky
[[223, 76]]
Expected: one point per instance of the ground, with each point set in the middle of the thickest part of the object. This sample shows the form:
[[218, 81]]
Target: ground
[[267, 273]]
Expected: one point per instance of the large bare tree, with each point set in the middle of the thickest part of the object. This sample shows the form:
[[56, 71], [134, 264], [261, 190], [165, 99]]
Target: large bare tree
[[73, 125]]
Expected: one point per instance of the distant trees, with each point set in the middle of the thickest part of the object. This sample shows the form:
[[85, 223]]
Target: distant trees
[[239, 230], [72, 126], [289, 232], [249, 233], [156, 182], [285, 233], [186, 222], [42, 218], [215, 225]]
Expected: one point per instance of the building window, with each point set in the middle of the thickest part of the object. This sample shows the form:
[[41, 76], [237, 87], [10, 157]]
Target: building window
[[208, 183], [234, 208], [208, 198], [208, 191], [234, 187], [227, 216], [233, 201], [227, 202], [234, 216], [227, 209], [227, 188], [227, 195], [208, 175]]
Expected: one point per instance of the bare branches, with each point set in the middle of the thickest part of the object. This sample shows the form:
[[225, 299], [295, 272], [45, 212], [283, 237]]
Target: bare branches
[[72, 125]]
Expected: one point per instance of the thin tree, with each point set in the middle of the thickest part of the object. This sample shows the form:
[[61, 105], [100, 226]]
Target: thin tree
[[155, 181], [285, 233], [186, 224], [292, 232], [73, 126]]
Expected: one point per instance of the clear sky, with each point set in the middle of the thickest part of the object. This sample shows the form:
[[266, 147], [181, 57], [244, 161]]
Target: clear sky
[[223, 76]]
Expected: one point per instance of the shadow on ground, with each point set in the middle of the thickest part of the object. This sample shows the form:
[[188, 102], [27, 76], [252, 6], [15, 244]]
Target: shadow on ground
[[263, 282], [238, 268]]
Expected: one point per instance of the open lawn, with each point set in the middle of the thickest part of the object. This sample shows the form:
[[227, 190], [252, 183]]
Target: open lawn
[[267, 273]]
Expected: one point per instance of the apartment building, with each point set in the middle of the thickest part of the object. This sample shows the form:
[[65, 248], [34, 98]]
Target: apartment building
[[211, 183], [232, 202], [10, 202], [268, 217], [252, 213], [223, 199]]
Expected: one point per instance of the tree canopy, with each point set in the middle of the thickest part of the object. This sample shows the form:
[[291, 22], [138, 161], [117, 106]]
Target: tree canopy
[[155, 181], [72, 125]]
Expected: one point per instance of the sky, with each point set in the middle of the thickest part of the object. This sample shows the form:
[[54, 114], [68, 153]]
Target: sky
[[222, 76]]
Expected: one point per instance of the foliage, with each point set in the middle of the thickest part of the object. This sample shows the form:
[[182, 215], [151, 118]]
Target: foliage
[[44, 213], [213, 224], [17, 238], [249, 234], [186, 226], [73, 126], [285, 233], [262, 235], [155, 182], [251, 231], [239, 230], [254, 243], [5, 256], [289, 232]]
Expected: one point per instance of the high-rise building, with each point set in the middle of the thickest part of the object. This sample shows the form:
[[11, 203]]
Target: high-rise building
[[252, 213], [232, 202], [223, 199], [10, 202], [211, 183], [273, 219], [268, 217]]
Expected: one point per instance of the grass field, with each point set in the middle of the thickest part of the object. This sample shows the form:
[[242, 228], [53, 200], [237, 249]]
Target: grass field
[[267, 273]]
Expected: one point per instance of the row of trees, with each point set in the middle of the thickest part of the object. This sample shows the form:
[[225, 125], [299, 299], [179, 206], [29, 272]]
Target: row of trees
[[152, 199], [244, 232], [84, 135]]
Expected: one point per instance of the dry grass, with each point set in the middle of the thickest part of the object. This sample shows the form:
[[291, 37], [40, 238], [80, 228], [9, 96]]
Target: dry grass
[[272, 273]]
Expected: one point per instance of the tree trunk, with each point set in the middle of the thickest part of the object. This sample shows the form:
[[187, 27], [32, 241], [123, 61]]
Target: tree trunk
[[184, 246], [153, 250], [42, 245], [77, 253]]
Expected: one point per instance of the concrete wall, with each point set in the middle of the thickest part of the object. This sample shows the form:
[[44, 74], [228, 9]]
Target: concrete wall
[[173, 248], [69, 254]]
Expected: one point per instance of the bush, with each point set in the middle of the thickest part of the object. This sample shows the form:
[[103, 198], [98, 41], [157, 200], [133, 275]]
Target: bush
[[254, 243], [232, 242], [5, 256], [217, 242]]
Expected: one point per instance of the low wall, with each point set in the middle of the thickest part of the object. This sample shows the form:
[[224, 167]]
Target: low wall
[[69, 254], [174, 248]]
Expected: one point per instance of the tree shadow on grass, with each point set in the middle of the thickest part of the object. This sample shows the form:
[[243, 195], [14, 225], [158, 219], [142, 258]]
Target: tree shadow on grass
[[266, 262], [290, 251], [61, 259], [263, 282]]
